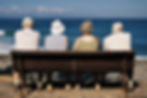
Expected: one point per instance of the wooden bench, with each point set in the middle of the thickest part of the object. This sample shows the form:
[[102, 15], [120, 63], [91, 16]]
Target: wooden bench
[[98, 63]]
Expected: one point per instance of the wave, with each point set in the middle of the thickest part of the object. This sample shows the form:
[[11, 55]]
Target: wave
[[141, 57], [2, 32], [5, 48]]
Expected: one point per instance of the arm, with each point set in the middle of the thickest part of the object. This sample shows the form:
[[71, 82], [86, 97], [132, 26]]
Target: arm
[[98, 43], [16, 36], [67, 43], [76, 44], [130, 41], [104, 45]]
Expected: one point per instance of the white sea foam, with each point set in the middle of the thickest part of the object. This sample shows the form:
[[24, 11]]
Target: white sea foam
[[5, 48], [138, 57], [2, 32]]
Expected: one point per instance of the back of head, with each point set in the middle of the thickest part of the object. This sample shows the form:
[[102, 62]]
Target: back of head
[[87, 27], [27, 22], [117, 27], [57, 27]]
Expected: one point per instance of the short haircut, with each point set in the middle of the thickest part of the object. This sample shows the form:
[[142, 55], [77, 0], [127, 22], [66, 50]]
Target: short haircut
[[27, 21], [117, 27], [87, 27]]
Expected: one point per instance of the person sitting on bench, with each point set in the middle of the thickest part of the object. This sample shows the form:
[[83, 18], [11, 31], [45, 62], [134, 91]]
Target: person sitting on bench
[[57, 41], [119, 40], [87, 43], [25, 39]]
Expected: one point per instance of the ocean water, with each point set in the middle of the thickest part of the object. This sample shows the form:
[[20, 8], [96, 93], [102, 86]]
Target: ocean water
[[102, 28]]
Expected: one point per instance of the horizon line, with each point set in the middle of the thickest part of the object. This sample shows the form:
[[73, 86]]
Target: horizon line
[[121, 18]]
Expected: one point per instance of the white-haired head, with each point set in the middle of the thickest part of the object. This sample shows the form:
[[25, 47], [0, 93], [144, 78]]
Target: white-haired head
[[117, 27], [27, 22], [57, 27]]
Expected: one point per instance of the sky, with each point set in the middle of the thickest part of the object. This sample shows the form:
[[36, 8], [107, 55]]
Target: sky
[[74, 8]]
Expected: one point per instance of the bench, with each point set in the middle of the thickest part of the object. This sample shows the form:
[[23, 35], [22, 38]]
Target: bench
[[98, 63]]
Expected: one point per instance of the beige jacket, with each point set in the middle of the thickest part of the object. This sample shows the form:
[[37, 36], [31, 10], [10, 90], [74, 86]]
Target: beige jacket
[[27, 39], [117, 42]]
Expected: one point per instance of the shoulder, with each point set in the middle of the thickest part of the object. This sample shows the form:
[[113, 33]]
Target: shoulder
[[127, 34], [79, 39], [64, 37], [35, 32], [18, 32], [124, 35], [47, 37], [108, 37], [95, 38]]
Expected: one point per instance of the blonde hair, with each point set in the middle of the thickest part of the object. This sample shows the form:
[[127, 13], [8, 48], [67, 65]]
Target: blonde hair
[[87, 27], [28, 22], [117, 27]]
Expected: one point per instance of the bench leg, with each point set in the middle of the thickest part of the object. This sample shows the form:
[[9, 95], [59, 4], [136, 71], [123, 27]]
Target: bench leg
[[124, 77], [49, 86], [97, 84], [130, 83], [23, 89], [68, 85], [78, 79], [38, 82], [124, 84]]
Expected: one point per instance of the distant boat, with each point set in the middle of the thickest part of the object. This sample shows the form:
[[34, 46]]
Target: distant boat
[[2, 32]]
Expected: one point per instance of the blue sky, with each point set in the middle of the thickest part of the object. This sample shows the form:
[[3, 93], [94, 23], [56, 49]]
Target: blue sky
[[74, 8]]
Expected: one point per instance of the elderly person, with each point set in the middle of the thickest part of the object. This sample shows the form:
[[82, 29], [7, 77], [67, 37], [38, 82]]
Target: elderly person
[[119, 40], [57, 41], [25, 39], [87, 43]]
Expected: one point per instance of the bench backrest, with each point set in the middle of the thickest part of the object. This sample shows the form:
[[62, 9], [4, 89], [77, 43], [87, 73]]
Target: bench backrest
[[96, 62]]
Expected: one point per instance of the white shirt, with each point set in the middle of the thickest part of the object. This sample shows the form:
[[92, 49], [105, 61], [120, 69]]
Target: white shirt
[[27, 39], [117, 42]]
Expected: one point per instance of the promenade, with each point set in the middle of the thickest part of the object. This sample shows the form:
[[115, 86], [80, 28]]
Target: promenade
[[140, 75]]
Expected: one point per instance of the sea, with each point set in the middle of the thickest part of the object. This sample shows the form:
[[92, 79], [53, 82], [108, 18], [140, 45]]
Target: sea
[[102, 28]]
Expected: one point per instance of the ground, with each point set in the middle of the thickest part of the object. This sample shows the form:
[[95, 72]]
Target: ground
[[7, 90]]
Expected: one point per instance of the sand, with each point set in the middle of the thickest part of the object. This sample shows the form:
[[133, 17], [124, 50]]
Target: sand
[[7, 90]]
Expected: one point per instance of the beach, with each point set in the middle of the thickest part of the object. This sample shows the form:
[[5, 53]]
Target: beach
[[53, 40], [7, 90]]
